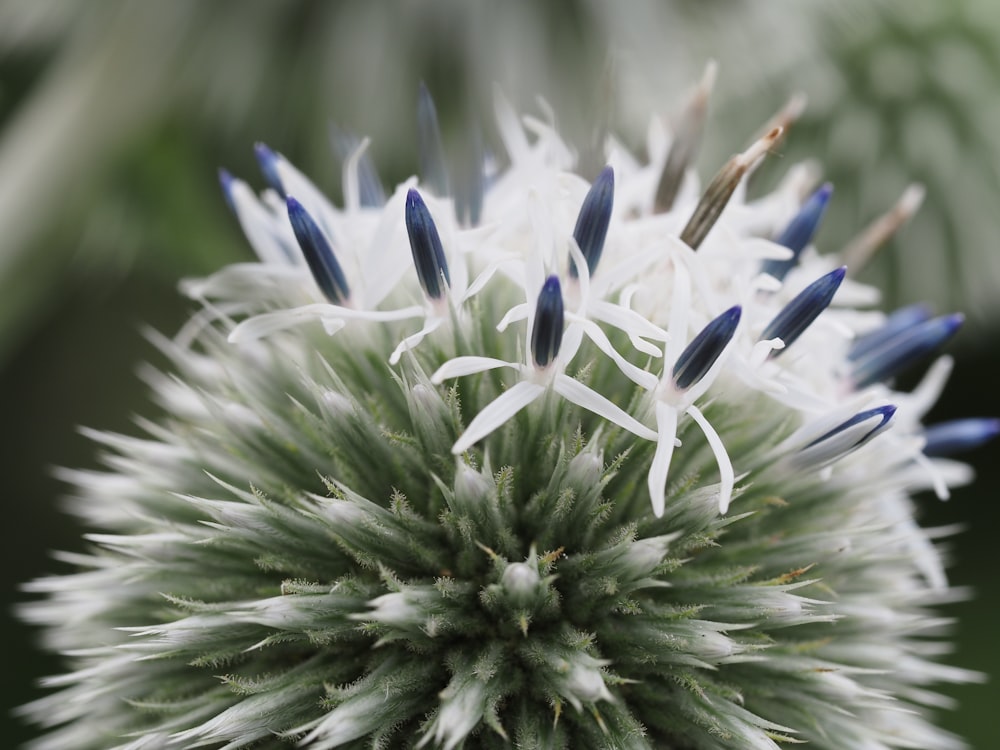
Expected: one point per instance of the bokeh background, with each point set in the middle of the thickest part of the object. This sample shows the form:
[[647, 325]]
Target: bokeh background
[[115, 114]]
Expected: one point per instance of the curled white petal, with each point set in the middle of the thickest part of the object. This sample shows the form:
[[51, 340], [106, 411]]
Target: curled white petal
[[636, 374], [431, 324], [726, 474], [468, 365], [666, 427], [514, 314], [579, 394], [629, 321]]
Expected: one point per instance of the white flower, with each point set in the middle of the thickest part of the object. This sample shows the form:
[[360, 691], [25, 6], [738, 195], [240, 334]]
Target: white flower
[[364, 532]]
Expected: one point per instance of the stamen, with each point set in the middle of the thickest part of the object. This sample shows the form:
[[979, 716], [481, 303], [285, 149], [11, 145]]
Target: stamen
[[425, 244], [904, 350], [433, 170], [699, 356], [547, 331], [800, 231], [685, 144], [799, 314], [318, 254], [267, 160], [592, 222], [959, 436], [721, 188], [896, 324]]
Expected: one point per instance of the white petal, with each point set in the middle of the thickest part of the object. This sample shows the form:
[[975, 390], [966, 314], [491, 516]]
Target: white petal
[[679, 308], [261, 325], [332, 325], [936, 477], [927, 392], [579, 394], [387, 258], [352, 188], [628, 321], [835, 447], [246, 280], [431, 324], [726, 474], [582, 269], [481, 280], [381, 316], [637, 375], [514, 314], [312, 198], [598, 312], [498, 411], [758, 248], [666, 426], [459, 366], [828, 419], [268, 236], [765, 282], [762, 350], [509, 127]]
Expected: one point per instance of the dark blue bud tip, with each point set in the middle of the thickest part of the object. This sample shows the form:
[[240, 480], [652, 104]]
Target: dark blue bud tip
[[897, 323], [800, 313], [592, 223], [267, 160], [547, 332], [699, 356], [425, 244], [226, 183], [319, 255], [822, 194], [903, 348], [800, 231], [959, 436], [803, 226], [885, 412]]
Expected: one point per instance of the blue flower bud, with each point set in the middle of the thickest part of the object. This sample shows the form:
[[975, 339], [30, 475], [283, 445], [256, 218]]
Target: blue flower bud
[[886, 412], [433, 171], [959, 435], [267, 160], [799, 314], [800, 231], [898, 322], [592, 223], [845, 438], [699, 356], [319, 255], [425, 244], [547, 332], [904, 349]]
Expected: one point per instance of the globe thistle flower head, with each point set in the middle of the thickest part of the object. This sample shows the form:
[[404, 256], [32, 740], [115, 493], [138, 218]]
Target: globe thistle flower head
[[532, 475]]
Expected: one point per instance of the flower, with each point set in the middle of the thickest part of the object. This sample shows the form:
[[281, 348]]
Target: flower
[[345, 532]]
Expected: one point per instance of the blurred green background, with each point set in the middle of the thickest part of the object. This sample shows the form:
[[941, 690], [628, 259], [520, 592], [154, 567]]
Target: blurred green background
[[114, 116]]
